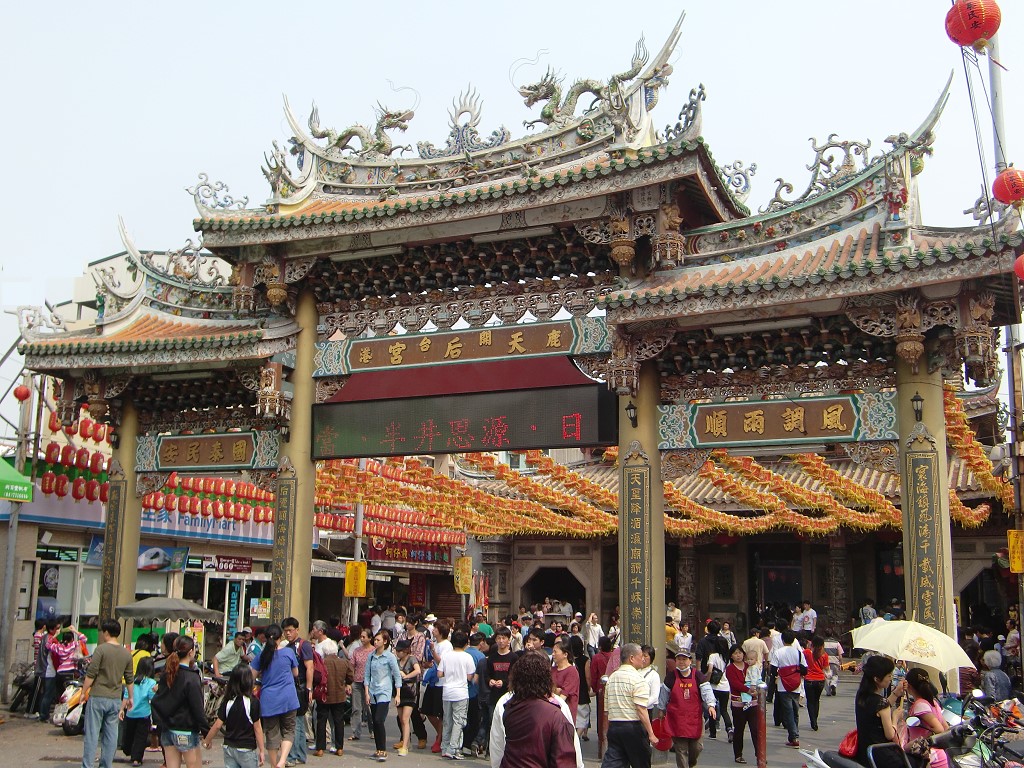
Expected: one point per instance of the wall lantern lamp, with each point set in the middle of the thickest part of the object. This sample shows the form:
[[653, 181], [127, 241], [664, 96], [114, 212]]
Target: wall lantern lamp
[[631, 413], [918, 402]]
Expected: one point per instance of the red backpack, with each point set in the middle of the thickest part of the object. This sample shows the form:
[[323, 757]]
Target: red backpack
[[319, 677]]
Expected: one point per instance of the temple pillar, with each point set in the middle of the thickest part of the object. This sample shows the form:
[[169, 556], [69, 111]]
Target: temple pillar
[[840, 606], [641, 513], [686, 578], [292, 555], [120, 564], [923, 470]]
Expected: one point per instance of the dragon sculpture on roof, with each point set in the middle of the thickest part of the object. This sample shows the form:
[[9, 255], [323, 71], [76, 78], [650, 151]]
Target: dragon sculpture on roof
[[375, 144], [558, 111]]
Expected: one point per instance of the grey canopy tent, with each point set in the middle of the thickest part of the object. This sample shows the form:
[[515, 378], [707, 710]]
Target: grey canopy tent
[[164, 608]]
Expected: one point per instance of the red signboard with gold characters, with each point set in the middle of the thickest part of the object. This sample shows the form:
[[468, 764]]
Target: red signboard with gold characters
[[428, 555]]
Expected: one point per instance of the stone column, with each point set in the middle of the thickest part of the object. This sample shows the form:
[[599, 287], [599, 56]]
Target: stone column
[[292, 555], [927, 549], [686, 578], [120, 564], [839, 584], [641, 514]]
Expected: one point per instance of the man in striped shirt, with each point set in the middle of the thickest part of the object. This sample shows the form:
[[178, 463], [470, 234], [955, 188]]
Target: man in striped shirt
[[626, 694]]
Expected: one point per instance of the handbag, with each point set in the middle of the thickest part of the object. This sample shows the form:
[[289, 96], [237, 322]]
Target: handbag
[[848, 746], [717, 672]]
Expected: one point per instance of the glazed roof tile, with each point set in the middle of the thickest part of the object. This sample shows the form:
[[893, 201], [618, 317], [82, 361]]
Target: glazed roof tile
[[340, 208], [857, 254], [146, 332]]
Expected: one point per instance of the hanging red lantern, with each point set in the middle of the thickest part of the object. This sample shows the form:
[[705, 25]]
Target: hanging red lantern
[[47, 482], [71, 429], [219, 486], [92, 490], [99, 432], [110, 435], [172, 481], [246, 513], [158, 500], [194, 505], [54, 422], [208, 485], [207, 508], [1008, 188], [96, 463], [973, 22], [82, 458], [67, 456], [22, 393], [258, 515], [229, 488], [85, 427], [171, 502], [61, 486], [104, 492], [78, 489], [52, 452]]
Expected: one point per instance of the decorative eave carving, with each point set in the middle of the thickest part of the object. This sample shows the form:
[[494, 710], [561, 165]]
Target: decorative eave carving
[[628, 351], [881, 456]]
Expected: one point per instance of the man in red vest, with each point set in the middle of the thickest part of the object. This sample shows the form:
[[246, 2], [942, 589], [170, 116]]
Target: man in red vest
[[684, 694]]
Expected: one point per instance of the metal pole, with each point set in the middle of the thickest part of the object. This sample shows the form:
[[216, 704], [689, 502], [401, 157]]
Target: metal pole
[[995, 84], [353, 607], [6, 616], [762, 732]]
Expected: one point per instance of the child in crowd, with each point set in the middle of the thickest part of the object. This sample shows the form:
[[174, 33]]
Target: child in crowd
[[137, 723], [239, 716]]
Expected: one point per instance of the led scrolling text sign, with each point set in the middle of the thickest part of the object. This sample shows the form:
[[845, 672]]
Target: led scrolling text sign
[[554, 417]]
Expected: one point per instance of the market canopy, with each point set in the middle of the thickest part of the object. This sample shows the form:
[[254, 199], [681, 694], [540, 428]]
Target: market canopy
[[14, 486], [160, 608]]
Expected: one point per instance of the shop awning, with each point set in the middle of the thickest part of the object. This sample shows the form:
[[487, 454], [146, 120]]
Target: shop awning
[[14, 486]]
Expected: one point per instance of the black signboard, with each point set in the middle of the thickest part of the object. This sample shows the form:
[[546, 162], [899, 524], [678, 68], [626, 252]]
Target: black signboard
[[554, 417]]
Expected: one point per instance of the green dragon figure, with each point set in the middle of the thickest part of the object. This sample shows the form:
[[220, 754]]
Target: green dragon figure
[[375, 144], [558, 112]]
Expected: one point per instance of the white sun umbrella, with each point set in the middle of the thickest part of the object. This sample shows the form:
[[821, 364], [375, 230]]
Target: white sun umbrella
[[859, 632], [914, 643]]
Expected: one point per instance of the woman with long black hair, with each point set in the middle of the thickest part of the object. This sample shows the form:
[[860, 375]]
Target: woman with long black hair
[[178, 706], [928, 712], [875, 722], [278, 669]]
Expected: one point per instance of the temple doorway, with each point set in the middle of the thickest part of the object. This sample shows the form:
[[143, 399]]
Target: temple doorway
[[558, 584]]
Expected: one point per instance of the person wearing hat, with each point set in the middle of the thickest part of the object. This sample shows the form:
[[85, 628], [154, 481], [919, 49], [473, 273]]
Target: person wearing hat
[[684, 694]]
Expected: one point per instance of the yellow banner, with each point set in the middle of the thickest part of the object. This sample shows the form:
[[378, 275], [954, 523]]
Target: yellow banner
[[1015, 542], [355, 578], [463, 575]]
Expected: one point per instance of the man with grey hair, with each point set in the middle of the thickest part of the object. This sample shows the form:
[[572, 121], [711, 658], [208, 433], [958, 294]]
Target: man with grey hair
[[323, 644], [626, 694]]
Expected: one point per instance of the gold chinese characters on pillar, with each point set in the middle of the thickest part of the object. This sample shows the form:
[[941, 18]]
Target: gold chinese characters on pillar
[[926, 554], [636, 570]]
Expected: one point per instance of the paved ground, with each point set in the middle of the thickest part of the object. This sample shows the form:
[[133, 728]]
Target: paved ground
[[25, 743]]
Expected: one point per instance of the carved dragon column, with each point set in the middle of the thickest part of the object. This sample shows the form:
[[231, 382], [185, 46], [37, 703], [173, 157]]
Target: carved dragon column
[[667, 242], [686, 578], [633, 373], [838, 584]]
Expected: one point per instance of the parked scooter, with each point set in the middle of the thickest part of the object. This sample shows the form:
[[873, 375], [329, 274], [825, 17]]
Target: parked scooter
[[67, 715], [24, 686]]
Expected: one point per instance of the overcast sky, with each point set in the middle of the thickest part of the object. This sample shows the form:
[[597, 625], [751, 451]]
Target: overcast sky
[[114, 108]]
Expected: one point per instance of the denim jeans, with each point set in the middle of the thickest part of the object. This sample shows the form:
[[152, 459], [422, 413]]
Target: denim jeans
[[48, 697], [454, 721], [100, 728], [299, 751], [241, 758], [790, 704], [360, 710]]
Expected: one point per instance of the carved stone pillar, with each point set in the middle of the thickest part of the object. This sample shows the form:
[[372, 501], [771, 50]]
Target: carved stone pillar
[[840, 605], [686, 578], [927, 546], [292, 555], [120, 564], [641, 514]]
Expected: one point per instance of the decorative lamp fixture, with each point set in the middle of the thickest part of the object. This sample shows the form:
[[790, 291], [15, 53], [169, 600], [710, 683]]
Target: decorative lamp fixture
[[973, 23], [631, 414], [1008, 188], [918, 402], [22, 393]]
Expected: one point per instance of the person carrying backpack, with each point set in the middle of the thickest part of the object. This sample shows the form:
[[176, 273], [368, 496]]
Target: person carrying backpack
[[239, 715]]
